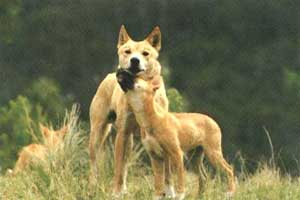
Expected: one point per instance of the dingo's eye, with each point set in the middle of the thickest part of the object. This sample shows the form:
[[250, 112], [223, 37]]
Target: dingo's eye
[[145, 53], [128, 51]]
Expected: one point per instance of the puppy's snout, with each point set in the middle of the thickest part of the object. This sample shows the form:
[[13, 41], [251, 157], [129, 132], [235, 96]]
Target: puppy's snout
[[134, 62]]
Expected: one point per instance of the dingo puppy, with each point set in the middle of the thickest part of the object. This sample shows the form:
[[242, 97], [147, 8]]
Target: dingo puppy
[[35, 153], [109, 103], [170, 134]]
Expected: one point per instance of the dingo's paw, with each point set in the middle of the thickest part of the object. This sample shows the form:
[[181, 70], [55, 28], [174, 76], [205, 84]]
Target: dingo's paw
[[158, 197], [180, 196], [170, 192]]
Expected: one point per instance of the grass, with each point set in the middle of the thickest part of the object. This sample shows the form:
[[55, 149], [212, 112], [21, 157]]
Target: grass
[[65, 174]]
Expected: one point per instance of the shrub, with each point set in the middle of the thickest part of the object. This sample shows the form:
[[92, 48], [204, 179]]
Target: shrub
[[17, 123], [176, 101], [19, 120]]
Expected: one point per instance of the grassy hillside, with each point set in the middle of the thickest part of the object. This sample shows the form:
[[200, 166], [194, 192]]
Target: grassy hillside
[[65, 176]]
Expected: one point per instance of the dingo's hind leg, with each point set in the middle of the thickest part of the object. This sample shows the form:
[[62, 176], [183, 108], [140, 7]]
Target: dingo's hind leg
[[100, 128], [201, 172], [216, 158]]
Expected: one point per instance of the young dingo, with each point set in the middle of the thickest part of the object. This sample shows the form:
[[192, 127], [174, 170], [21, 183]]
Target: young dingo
[[170, 134], [35, 153], [109, 102]]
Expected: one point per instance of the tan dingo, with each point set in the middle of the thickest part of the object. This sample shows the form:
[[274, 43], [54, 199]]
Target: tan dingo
[[170, 134], [35, 153], [109, 102]]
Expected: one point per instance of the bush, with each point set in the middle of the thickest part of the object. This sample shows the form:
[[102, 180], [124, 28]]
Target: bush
[[19, 120], [47, 93], [17, 123], [176, 101]]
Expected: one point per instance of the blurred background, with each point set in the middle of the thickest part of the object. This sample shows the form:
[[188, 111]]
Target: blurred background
[[237, 61]]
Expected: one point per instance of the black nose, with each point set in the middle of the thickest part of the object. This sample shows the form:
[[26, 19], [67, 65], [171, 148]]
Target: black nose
[[134, 62]]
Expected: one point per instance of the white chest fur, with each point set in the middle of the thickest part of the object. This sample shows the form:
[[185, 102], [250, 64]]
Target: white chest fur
[[151, 145], [136, 102]]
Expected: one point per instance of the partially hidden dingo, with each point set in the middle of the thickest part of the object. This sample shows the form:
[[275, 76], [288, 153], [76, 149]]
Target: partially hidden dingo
[[36, 153], [168, 135]]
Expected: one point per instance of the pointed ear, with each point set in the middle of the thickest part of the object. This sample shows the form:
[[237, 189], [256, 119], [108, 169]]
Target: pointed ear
[[45, 131], [154, 38], [123, 36], [63, 130], [156, 82]]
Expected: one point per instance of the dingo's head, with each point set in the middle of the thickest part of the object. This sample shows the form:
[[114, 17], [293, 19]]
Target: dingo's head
[[143, 89], [141, 96], [53, 137], [139, 57]]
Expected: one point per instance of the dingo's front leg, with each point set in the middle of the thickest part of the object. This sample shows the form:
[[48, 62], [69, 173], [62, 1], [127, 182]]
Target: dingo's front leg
[[123, 145], [169, 188], [158, 170], [177, 161], [126, 125]]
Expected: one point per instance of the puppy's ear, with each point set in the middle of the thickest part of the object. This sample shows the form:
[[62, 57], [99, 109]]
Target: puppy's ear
[[154, 38], [45, 131], [63, 130], [123, 36], [156, 82]]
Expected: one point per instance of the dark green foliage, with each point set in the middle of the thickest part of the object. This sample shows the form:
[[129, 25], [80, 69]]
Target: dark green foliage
[[17, 123], [19, 120], [176, 102], [46, 93], [9, 20]]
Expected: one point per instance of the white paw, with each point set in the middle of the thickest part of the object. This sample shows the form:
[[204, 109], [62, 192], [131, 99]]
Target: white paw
[[158, 197], [124, 190], [229, 194], [10, 172], [119, 195], [180, 196], [170, 192]]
